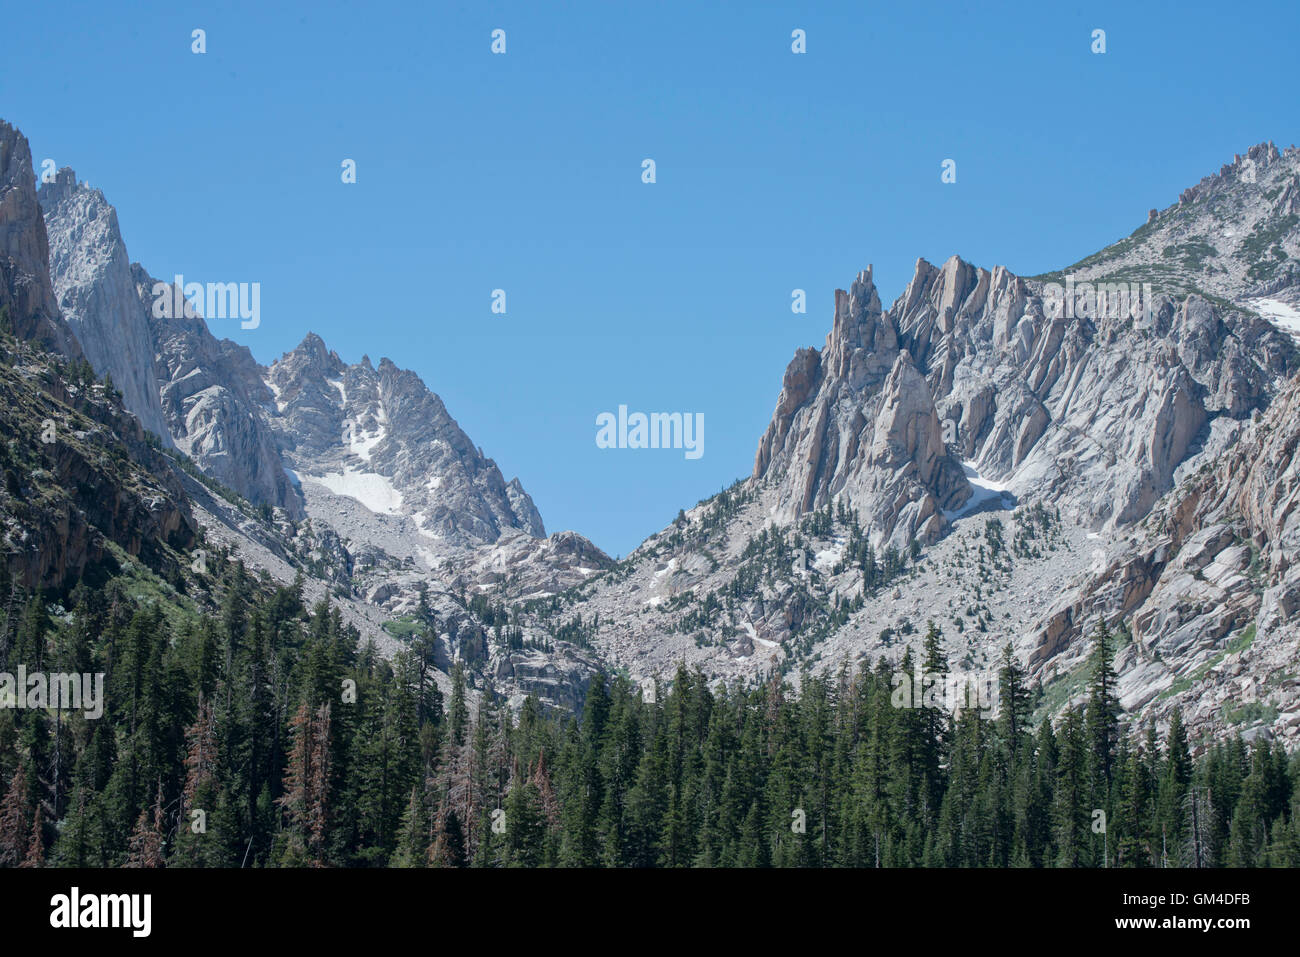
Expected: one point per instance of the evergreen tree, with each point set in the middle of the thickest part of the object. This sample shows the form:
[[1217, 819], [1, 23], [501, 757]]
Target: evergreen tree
[[1102, 715]]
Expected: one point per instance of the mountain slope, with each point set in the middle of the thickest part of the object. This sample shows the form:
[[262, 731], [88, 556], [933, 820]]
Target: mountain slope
[[1211, 588], [1234, 235]]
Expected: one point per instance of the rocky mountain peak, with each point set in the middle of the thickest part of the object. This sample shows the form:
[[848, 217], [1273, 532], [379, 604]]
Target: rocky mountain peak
[[25, 288], [313, 355], [63, 186], [857, 421], [92, 278], [1244, 169], [858, 328], [379, 436]]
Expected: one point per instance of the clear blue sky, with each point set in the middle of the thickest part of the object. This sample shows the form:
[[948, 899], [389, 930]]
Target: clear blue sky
[[523, 172]]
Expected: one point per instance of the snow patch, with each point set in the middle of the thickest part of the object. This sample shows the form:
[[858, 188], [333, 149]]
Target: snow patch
[[667, 569], [753, 635], [275, 393], [985, 490], [828, 558], [364, 442], [372, 490]]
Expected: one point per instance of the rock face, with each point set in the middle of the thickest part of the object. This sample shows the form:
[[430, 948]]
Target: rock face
[[856, 422], [26, 292], [380, 436], [97, 295], [215, 405], [1210, 589], [1238, 526], [1096, 413]]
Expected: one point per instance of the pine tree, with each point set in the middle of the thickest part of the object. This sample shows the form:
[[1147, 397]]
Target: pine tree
[[1013, 716], [448, 848], [199, 794], [1071, 805], [306, 784], [932, 740], [459, 714], [1102, 715], [525, 832], [1175, 779], [1134, 848], [413, 836]]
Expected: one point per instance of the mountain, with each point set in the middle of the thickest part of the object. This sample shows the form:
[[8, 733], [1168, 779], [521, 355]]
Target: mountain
[[263, 432], [1013, 459], [381, 437], [85, 486], [354, 477]]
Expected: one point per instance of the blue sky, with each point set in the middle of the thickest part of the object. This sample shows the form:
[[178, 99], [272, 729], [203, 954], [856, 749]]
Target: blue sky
[[522, 172]]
